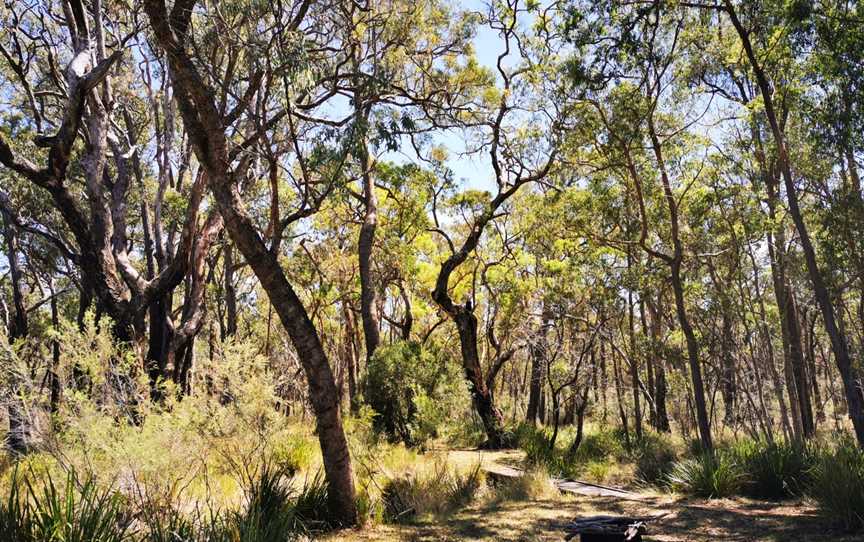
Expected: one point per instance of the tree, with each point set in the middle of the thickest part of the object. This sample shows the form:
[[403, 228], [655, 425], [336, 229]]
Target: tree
[[206, 127]]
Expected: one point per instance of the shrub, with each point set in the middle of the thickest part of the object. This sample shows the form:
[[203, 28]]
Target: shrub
[[709, 475], [837, 484], [534, 441], [601, 445], [655, 458], [412, 391], [773, 470], [594, 457]]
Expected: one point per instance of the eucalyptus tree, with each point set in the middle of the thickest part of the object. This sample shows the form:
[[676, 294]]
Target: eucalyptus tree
[[285, 90], [401, 57], [517, 127], [757, 27], [93, 180], [644, 140]]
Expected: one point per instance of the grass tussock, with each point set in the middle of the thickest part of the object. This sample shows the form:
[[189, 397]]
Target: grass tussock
[[773, 470], [534, 484], [837, 484], [709, 475], [437, 493]]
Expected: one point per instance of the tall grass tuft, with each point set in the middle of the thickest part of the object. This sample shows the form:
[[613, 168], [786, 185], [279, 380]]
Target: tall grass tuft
[[76, 511], [275, 511], [714, 475], [837, 484], [438, 492], [773, 470], [15, 513]]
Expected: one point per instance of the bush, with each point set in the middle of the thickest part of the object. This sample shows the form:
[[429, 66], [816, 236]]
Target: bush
[[655, 459], [773, 470], [837, 484], [534, 441], [714, 475], [595, 456], [601, 445], [412, 391]]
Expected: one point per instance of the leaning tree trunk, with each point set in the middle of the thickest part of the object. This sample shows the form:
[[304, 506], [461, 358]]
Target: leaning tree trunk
[[204, 124]]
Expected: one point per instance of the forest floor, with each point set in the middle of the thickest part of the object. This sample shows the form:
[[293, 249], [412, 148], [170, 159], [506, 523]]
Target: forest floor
[[686, 518]]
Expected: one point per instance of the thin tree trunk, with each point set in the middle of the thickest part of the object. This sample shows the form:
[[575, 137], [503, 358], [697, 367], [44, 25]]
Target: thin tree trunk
[[17, 439], [538, 366], [619, 395], [56, 386], [660, 390], [633, 361], [230, 292]]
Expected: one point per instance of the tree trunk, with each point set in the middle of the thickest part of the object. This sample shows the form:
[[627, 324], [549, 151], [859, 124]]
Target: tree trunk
[[481, 395], [349, 354], [633, 361], [678, 289], [693, 359], [204, 124], [619, 395], [538, 367], [56, 386], [660, 390], [17, 439], [230, 329], [368, 302]]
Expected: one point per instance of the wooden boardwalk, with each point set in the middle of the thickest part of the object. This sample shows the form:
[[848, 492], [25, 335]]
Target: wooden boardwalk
[[569, 486]]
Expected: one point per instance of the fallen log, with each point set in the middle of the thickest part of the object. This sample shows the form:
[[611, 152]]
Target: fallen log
[[607, 529]]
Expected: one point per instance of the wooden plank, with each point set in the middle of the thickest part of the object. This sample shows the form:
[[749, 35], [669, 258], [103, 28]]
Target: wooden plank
[[594, 490], [570, 486]]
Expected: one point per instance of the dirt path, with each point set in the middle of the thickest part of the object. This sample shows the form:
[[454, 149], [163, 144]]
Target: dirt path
[[687, 519]]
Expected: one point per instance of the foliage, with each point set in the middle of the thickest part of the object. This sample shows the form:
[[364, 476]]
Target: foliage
[[655, 458], [413, 392], [837, 484], [594, 457], [714, 475], [773, 470]]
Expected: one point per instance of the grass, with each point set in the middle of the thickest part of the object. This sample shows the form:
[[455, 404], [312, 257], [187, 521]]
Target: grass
[[714, 475], [837, 484], [534, 484], [436, 493], [773, 470], [75, 511]]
